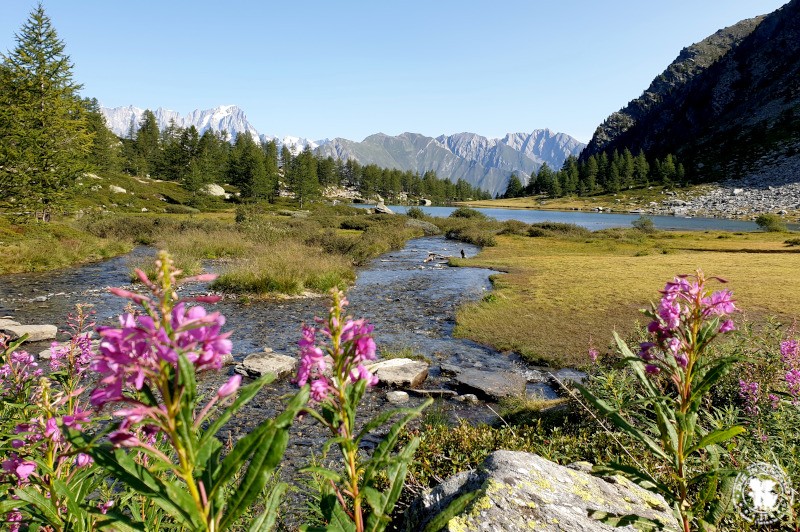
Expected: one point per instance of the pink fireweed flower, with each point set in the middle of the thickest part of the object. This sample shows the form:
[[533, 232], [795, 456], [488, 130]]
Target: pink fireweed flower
[[123, 438], [312, 358], [230, 387], [750, 393], [320, 389], [720, 303], [789, 351], [594, 354], [652, 369], [727, 326], [132, 353], [82, 460], [792, 378], [51, 430], [362, 373]]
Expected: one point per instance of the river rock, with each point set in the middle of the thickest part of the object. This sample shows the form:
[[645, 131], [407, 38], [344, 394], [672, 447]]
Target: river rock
[[397, 397], [258, 364], [491, 385], [470, 398], [523, 491], [8, 322], [36, 333], [400, 372]]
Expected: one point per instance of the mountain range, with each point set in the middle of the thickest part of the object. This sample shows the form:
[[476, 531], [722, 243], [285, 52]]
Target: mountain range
[[726, 106], [228, 118], [483, 162]]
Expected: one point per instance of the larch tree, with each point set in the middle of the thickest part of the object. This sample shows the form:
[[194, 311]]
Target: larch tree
[[45, 139]]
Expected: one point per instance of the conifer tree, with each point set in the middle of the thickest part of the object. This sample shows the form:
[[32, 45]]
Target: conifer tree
[[514, 189], [45, 140]]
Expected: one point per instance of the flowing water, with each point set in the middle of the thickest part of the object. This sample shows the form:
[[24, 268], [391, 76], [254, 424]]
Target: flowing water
[[410, 301]]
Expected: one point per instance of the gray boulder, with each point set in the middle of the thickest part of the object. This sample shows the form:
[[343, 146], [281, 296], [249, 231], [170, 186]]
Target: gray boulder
[[36, 333], [522, 491], [258, 364], [490, 385], [400, 372]]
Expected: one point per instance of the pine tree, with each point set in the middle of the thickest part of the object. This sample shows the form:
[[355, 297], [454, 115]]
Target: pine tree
[[514, 189], [45, 140], [148, 144]]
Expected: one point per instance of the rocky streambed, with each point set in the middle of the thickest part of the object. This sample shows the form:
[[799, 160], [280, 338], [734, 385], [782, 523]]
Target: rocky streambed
[[409, 295]]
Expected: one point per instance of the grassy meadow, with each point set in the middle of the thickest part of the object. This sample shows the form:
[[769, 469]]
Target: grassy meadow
[[624, 201], [564, 291]]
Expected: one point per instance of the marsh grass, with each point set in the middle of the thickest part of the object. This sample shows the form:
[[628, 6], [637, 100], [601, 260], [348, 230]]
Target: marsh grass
[[562, 291], [37, 247]]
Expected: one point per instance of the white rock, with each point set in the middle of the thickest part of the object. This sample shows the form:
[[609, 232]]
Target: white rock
[[212, 189], [5, 322], [36, 333], [400, 372], [397, 397], [258, 364]]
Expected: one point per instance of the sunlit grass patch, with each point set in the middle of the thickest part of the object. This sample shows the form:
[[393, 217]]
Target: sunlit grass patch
[[290, 268], [561, 292]]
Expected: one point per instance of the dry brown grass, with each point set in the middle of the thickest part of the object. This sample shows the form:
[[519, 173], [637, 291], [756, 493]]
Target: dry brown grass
[[561, 292]]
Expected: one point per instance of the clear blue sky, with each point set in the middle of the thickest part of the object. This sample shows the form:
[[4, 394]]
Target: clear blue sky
[[349, 69]]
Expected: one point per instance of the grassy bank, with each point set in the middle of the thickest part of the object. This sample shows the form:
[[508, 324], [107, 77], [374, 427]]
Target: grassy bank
[[267, 250], [625, 201], [40, 247], [563, 291]]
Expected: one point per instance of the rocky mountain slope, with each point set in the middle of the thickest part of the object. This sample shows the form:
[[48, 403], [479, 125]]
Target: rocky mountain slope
[[483, 162], [725, 106]]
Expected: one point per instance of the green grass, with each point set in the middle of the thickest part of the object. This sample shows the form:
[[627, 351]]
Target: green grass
[[562, 292], [35, 247]]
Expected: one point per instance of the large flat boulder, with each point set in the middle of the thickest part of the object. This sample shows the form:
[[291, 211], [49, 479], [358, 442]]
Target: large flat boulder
[[36, 333], [400, 372], [523, 491], [258, 364], [490, 385]]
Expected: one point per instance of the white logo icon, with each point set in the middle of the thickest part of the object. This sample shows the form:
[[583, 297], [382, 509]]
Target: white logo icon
[[762, 493]]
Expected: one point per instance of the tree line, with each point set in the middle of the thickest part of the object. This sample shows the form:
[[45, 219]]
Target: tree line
[[262, 170], [599, 174]]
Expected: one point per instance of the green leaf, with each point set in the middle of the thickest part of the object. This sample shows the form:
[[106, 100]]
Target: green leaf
[[718, 436], [266, 521], [456, 507], [173, 498], [44, 505], [622, 423], [245, 395], [333, 476], [187, 385], [264, 456], [119, 522]]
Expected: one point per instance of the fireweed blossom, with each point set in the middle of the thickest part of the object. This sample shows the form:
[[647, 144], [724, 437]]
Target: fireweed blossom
[[346, 343], [686, 306], [143, 352]]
